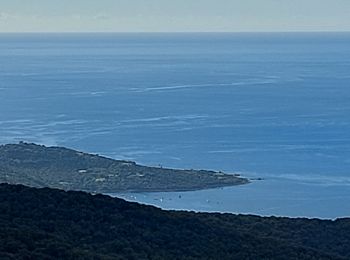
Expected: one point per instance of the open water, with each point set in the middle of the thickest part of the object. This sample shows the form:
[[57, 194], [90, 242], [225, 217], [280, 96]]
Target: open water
[[271, 105]]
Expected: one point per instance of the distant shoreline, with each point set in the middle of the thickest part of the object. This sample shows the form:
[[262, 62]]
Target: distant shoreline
[[181, 190], [62, 168]]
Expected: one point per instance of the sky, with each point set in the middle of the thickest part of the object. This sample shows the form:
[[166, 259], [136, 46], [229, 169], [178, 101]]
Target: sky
[[174, 15]]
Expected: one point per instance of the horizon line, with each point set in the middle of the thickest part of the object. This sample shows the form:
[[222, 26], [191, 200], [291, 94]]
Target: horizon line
[[165, 32]]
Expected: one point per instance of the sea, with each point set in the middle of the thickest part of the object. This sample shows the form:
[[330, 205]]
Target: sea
[[273, 107]]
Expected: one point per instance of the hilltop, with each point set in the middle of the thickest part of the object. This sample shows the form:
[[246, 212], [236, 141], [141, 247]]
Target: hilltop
[[58, 167]]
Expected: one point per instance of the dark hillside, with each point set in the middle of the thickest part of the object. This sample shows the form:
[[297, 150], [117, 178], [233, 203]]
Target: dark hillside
[[55, 224]]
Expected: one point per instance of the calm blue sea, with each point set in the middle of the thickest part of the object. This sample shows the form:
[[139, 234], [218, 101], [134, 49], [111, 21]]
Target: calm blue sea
[[275, 106]]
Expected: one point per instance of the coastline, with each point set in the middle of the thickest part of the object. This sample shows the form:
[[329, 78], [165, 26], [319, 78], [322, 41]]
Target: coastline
[[58, 167], [203, 188], [277, 197]]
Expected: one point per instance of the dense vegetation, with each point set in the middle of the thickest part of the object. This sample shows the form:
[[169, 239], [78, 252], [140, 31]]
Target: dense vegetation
[[55, 224], [58, 167]]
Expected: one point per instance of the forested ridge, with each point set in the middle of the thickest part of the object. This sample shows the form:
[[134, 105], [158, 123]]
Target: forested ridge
[[55, 224]]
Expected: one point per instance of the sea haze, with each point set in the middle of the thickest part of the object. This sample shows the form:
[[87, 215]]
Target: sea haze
[[272, 106]]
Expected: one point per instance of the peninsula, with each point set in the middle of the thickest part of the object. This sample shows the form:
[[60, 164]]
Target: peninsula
[[57, 167]]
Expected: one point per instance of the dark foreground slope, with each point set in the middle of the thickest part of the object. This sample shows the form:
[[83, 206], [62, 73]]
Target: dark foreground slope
[[58, 167], [54, 224]]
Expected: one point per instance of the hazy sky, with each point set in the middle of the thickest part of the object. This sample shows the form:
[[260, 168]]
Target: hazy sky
[[174, 15]]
